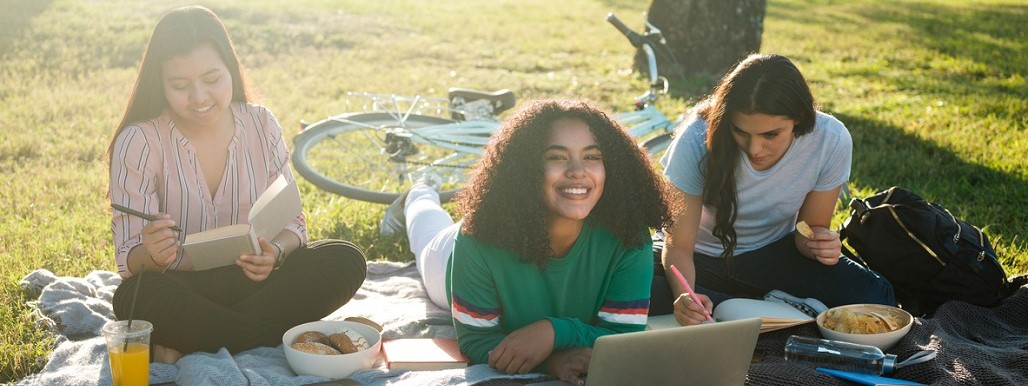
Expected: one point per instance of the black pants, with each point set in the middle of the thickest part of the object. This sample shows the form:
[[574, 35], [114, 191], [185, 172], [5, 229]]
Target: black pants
[[221, 307], [780, 266]]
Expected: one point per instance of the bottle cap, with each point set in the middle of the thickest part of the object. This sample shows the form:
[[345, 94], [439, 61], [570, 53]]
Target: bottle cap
[[889, 363]]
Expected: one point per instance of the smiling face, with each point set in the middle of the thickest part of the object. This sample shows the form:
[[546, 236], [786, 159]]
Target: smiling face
[[573, 174], [763, 138], [198, 87]]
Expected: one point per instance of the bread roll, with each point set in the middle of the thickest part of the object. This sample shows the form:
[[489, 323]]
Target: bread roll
[[312, 336], [348, 341], [314, 348]]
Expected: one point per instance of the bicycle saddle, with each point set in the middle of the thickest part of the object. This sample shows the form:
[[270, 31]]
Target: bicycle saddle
[[501, 100]]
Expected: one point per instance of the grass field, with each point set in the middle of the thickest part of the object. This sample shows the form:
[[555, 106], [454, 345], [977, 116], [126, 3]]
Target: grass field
[[934, 93]]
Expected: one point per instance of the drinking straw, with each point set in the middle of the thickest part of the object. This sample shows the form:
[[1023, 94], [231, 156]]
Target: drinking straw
[[132, 307]]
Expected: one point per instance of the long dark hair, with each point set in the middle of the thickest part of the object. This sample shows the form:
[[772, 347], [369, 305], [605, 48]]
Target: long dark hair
[[177, 33], [502, 202], [761, 83]]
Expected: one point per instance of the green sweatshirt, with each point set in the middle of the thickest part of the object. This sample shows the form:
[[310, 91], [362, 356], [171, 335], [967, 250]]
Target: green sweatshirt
[[600, 287]]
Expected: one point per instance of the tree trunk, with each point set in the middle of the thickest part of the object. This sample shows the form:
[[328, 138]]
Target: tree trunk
[[706, 36]]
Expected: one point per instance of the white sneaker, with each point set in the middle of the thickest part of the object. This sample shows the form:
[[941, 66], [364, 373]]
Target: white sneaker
[[809, 306], [394, 221], [429, 179]]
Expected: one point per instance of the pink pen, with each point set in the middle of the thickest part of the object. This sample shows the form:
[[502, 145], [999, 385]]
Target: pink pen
[[688, 288]]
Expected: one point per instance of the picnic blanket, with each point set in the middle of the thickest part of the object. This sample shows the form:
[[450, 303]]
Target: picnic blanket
[[975, 345], [75, 310]]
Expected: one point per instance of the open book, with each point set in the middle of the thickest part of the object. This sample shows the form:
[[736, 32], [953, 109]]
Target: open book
[[773, 315], [423, 354], [272, 211]]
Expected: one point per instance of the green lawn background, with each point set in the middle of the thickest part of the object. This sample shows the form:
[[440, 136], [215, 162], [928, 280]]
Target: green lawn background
[[933, 92]]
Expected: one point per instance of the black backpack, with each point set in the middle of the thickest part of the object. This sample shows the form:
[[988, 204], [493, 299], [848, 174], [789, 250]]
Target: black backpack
[[927, 254]]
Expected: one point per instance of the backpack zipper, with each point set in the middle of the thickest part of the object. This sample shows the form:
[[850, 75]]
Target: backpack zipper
[[911, 234], [981, 236], [956, 236]]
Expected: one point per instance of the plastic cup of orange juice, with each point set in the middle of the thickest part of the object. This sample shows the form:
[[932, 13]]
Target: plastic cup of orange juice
[[129, 350]]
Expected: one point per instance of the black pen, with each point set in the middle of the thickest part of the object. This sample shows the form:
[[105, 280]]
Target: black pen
[[140, 215]]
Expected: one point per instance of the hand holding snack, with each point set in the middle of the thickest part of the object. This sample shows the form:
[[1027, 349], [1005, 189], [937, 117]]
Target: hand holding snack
[[824, 244], [804, 229]]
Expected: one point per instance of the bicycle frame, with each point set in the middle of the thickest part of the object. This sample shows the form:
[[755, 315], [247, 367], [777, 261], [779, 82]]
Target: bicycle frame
[[461, 136], [400, 137], [646, 119], [644, 122]]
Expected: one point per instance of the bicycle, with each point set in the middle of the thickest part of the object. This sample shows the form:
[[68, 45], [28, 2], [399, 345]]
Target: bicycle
[[374, 154]]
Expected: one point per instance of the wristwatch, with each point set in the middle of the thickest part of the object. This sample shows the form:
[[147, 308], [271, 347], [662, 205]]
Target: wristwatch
[[281, 257]]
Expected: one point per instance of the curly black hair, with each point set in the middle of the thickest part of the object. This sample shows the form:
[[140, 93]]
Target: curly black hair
[[502, 203]]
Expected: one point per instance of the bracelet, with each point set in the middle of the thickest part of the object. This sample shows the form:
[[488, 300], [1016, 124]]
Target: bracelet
[[280, 258]]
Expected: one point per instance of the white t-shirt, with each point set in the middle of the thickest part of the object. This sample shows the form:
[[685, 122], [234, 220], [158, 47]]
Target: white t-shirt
[[768, 200]]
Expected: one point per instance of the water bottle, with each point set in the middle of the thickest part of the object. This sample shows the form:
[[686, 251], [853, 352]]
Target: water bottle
[[838, 355]]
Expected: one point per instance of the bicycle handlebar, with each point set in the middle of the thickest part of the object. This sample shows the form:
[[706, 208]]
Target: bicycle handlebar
[[646, 43], [632, 36]]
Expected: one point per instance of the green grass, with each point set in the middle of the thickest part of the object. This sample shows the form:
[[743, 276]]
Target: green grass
[[934, 93]]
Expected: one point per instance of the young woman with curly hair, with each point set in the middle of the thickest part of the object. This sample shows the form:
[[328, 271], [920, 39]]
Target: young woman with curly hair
[[554, 248], [755, 158]]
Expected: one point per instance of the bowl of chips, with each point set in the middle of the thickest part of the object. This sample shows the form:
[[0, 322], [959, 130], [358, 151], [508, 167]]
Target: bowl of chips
[[331, 348], [868, 324]]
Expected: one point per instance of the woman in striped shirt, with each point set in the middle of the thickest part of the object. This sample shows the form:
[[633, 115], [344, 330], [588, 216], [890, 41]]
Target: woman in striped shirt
[[194, 151], [554, 249]]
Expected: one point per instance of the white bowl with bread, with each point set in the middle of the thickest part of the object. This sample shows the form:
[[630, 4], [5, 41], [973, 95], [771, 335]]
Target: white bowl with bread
[[331, 348], [868, 324]]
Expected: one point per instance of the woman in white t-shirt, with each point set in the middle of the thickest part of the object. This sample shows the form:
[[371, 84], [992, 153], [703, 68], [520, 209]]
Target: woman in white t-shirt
[[755, 158]]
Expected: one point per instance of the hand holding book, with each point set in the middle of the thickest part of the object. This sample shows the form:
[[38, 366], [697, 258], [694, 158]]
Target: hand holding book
[[273, 210], [258, 266], [218, 247]]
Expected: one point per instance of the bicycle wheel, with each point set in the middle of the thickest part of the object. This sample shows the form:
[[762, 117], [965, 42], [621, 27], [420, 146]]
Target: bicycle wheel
[[375, 156], [656, 146]]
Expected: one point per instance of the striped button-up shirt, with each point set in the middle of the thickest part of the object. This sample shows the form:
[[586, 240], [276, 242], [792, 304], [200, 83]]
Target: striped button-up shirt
[[154, 169]]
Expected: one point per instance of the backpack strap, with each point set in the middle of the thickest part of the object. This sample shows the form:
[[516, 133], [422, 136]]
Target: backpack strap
[[858, 212], [846, 251]]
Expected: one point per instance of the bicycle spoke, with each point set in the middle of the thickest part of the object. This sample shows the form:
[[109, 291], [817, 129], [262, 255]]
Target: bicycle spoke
[[371, 157]]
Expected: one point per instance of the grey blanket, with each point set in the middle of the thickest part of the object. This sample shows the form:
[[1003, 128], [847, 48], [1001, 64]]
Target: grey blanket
[[975, 346], [75, 309]]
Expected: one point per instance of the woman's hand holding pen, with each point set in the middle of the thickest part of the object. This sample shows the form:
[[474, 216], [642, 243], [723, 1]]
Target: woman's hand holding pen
[[160, 241], [690, 307], [258, 267], [688, 312]]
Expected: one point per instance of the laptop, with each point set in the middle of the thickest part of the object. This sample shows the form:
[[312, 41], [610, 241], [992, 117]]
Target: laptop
[[706, 354]]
